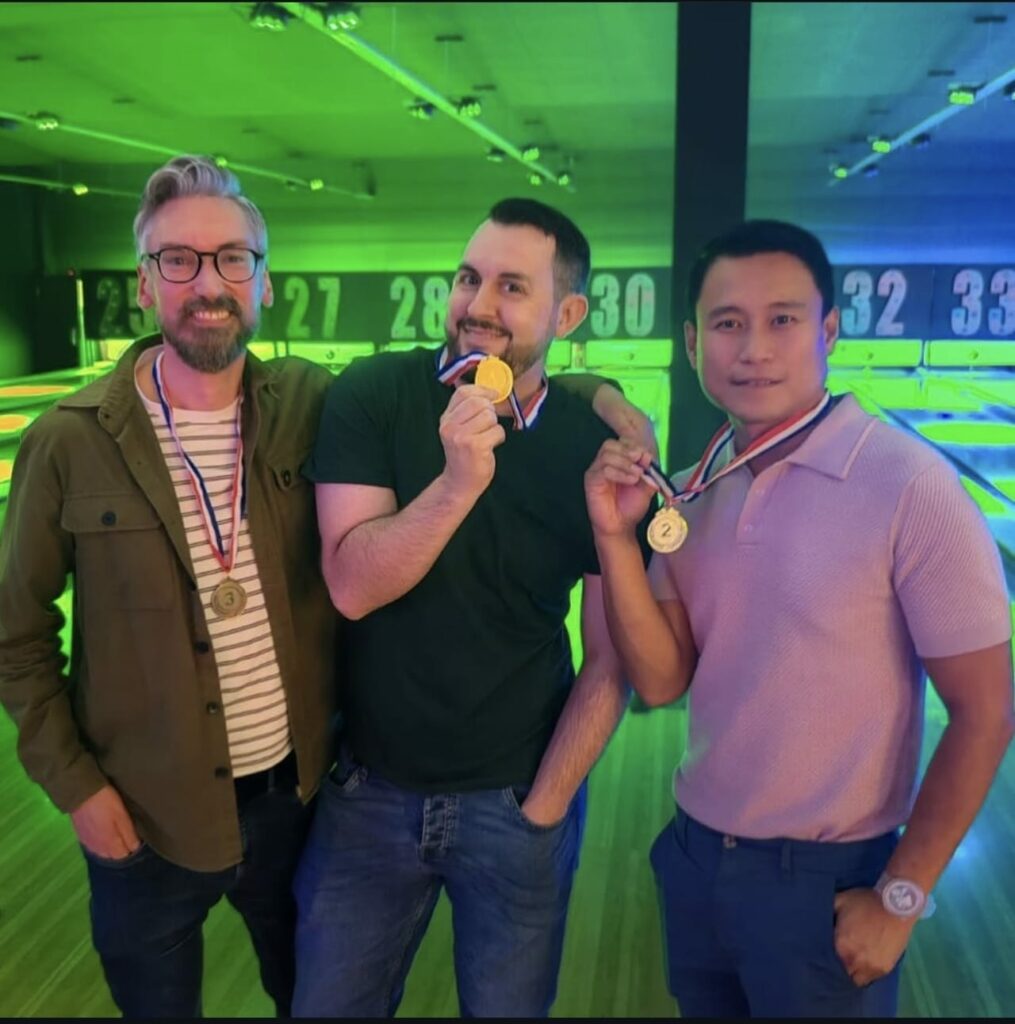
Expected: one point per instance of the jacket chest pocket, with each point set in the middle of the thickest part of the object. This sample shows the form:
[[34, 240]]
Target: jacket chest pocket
[[122, 554], [292, 492]]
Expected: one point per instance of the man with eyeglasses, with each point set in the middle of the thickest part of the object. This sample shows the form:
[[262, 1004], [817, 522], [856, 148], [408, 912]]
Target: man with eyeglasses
[[193, 723], [191, 727]]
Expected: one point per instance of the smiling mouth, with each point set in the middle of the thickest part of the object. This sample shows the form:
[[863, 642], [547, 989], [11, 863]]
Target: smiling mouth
[[211, 316], [761, 382]]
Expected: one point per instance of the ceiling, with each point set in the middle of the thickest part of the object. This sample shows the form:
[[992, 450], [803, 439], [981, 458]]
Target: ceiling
[[592, 84]]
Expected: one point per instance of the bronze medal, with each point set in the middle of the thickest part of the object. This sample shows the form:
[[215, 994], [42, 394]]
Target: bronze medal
[[228, 599], [667, 531]]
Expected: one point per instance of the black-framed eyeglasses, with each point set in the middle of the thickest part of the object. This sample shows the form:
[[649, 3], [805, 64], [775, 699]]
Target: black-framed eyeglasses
[[179, 264]]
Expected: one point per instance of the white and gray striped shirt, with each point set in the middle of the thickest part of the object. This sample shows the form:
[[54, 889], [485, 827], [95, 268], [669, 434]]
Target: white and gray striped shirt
[[253, 700]]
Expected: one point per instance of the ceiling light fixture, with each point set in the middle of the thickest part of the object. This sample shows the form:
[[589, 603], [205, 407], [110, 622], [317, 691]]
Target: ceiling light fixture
[[341, 17], [1003, 82], [469, 106], [962, 95], [272, 17], [880, 144], [839, 171], [163, 151], [78, 188], [316, 184], [530, 153], [46, 122], [422, 111], [535, 178], [313, 17], [564, 179]]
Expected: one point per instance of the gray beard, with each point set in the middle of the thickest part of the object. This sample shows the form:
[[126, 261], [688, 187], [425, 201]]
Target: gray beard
[[214, 349]]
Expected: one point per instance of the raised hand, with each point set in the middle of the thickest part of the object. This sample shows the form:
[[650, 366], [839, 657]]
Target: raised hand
[[616, 492], [469, 432]]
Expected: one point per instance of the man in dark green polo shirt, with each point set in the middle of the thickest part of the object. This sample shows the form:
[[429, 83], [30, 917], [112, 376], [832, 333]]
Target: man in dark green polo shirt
[[453, 530]]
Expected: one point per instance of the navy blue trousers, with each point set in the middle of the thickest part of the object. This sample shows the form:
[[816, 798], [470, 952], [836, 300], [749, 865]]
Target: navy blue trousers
[[748, 925]]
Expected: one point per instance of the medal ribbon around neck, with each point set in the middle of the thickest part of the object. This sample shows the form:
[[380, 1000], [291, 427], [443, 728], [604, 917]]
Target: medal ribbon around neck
[[700, 479], [450, 372], [208, 517]]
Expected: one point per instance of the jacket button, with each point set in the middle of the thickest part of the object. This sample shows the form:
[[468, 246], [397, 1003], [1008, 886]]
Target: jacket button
[[108, 518], [202, 647], [221, 772], [287, 477], [213, 707]]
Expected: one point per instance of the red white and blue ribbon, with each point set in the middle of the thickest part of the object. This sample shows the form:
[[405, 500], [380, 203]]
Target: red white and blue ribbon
[[450, 372], [701, 478], [204, 502]]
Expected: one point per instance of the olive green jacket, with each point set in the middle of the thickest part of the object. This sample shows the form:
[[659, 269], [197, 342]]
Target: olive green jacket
[[139, 704]]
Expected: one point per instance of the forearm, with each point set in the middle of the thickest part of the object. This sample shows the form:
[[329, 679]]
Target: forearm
[[653, 661], [382, 559], [590, 716], [953, 790]]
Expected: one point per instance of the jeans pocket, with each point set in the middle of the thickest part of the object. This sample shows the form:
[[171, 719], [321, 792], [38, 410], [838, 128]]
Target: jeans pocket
[[117, 863], [514, 797], [345, 776]]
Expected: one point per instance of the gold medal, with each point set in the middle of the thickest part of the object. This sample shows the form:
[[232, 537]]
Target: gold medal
[[495, 374], [228, 599], [667, 531]]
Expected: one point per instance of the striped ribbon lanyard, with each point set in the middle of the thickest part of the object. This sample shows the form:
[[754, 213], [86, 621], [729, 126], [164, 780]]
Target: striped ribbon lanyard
[[211, 526], [450, 372], [668, 529]]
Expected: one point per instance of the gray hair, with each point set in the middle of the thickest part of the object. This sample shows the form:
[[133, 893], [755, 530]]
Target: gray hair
[[194, 176]]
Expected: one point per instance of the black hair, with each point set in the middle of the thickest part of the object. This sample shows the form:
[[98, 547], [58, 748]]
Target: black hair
[[758, 236], [572, 259]]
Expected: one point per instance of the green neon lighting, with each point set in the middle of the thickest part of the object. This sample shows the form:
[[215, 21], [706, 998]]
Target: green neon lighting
[[974, 434]]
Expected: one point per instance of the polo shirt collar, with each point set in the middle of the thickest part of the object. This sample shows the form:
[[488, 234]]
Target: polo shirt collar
[[833, 445]]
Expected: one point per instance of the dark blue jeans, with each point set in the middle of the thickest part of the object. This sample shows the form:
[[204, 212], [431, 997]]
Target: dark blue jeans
[[147, 913], [748, 924], [374, 865]]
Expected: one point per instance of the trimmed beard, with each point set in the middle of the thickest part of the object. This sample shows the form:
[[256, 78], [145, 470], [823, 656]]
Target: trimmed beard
[[210, 349], [517, 361]]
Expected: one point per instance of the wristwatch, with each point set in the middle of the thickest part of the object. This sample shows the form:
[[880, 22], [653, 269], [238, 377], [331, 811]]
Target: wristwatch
[[902, 897]]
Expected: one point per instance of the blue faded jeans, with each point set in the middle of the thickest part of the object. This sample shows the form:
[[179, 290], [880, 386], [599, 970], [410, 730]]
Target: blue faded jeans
[[748, 924], [147, 913], [373, 868]]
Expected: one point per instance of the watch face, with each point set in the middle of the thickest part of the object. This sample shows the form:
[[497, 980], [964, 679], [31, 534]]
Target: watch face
[[902, 898]]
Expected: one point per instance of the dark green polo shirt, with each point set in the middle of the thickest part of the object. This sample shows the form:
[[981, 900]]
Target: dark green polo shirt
[[458, 684]]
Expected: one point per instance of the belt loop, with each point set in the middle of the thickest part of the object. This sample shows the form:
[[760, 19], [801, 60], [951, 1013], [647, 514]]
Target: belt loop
[[786, 858]]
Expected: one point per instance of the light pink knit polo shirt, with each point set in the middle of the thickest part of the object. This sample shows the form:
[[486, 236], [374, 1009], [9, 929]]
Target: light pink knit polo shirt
[[812, 591]]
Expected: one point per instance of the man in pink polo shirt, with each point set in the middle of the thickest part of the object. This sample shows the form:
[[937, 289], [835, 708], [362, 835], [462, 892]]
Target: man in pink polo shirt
[[831, 563]]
